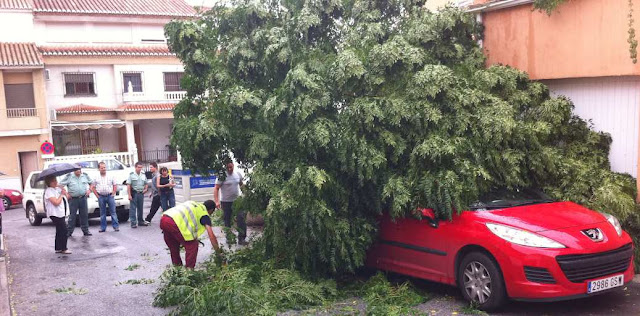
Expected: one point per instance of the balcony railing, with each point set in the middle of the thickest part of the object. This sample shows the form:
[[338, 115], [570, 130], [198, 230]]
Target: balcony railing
[[127, 158], [132, 96], [22, 112], [175, 95], [159, 155]]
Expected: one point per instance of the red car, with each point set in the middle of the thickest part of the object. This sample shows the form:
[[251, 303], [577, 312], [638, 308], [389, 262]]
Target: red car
[[518, 245], [11, 197]]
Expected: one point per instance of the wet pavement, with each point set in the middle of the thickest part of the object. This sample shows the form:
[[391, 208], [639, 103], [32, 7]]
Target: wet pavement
[[90, 280]]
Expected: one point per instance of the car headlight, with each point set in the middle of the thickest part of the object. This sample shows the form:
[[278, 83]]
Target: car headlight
[[522, 237], [614, 222], [15, 193]]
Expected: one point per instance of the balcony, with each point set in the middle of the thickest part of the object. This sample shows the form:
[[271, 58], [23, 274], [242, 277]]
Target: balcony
[[22, 112], [23, 118], [175, 95], [133, 96]]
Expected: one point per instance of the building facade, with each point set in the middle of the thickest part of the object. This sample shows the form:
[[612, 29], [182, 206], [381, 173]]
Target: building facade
[[101, 81], [580, 51]]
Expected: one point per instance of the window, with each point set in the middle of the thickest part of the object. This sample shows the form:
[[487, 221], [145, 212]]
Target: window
[[35, 184], [172, 81], [79, 84], [75, 142], [133, 80], [19, 96]]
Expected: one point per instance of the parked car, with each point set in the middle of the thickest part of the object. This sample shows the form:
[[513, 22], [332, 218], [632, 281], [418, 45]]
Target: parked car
[[34, 191], [11, 197], [518, 245]]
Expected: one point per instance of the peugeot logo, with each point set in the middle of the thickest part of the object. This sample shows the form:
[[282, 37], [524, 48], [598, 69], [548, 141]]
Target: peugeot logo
[[594, 234]]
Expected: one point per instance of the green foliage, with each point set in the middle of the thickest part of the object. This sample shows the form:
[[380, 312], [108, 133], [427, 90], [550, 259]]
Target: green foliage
[[547, 6], [136, 281], [246, 286], [132, 267], [382, 298], [345, 109]]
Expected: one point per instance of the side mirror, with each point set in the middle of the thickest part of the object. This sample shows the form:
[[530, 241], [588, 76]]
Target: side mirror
[[430, 216]]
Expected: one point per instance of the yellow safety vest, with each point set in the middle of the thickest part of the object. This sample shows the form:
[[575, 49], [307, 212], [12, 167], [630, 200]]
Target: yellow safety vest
[[187, 217]]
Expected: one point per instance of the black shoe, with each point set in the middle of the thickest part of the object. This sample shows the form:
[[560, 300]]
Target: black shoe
[[243, 242], [134, 226], [116, 229], [102, 230], [145, 223], [88, 234]]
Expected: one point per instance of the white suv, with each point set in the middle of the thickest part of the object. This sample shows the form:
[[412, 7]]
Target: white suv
[[33, 201]]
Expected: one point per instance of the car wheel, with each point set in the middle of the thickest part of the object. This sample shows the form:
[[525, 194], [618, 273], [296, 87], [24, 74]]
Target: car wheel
[[481, 281], [6, 202], [34, 218], [123, 216]]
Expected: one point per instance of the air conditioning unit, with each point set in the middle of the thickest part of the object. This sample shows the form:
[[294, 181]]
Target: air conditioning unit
[[46, 75], [52, 115]]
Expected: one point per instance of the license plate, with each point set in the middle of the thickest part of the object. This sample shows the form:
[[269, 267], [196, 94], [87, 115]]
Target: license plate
[[604, 284]]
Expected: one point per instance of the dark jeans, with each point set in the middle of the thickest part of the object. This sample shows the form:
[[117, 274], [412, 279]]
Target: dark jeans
[[155, 205], [227, 208], [135, 207], [78, 205], [61, 233], [168, 200], [103, 200]]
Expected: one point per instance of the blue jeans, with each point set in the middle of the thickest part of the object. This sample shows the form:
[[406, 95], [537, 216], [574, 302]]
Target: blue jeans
[[135, 208], [168, 200], [103, 200]]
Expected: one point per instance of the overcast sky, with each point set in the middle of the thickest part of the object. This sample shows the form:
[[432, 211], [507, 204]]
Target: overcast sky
[[202, 3]]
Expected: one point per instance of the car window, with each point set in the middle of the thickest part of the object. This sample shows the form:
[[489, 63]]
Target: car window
[[502, 198], [36, 184], [112, 164]]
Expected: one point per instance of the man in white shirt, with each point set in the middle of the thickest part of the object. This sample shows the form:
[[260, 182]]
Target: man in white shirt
[[224, 193], [105, 188]]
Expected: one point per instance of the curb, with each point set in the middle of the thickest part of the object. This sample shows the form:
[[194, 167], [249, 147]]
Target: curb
[[5, 307]]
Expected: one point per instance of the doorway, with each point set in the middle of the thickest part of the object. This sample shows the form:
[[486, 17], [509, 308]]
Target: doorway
[[28, 164]]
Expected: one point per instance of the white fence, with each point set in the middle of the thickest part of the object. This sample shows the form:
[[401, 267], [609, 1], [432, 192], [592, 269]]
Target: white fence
[[175, 95], [22, 112], [127, 158]]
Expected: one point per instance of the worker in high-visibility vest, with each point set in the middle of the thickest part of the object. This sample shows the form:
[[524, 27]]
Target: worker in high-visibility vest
[[183, 224]]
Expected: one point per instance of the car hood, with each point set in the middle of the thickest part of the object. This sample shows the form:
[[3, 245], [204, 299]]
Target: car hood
[[542, 217]]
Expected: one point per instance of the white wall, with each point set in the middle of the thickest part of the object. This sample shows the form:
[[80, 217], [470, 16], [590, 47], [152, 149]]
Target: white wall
[[16, 26], [612, 104], [104, 81], [70, 32], [155, 134], [109, 139], [11, 183]]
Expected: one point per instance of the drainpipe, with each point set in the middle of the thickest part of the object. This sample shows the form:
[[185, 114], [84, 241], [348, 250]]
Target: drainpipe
[[492, 6]]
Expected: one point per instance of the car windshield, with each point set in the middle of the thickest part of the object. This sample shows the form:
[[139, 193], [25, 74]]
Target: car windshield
[[112, 164], [509, 198]]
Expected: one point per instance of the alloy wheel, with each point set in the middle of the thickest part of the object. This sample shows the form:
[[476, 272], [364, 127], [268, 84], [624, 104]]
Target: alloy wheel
[[477, 282]]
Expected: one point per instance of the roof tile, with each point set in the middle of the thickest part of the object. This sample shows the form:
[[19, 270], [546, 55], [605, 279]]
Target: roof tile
[[129, 51], [16, 4], [147, 107], [82, 108], [170, 8], [20, 55]]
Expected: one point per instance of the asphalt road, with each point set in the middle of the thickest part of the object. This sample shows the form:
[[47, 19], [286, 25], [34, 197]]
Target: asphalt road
[[88, 281]]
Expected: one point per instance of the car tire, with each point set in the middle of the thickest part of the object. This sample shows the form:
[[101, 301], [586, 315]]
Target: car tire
[[7, 202], [32, 214], [123, 216], [481, 281]]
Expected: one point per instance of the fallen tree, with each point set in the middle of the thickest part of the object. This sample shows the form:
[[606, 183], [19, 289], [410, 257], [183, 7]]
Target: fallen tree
[[344, 109]]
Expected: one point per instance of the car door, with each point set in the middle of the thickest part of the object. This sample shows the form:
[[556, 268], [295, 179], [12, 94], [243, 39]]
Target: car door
[[417, 247], [34, 192]]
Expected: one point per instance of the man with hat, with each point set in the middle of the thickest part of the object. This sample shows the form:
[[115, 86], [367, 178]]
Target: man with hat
[[182, 225]]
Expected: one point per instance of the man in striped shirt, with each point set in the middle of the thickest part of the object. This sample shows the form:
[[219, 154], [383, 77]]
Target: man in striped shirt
[[105, 188]]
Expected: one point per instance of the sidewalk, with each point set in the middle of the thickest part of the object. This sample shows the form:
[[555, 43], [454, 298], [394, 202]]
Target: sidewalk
[[5, 307]]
